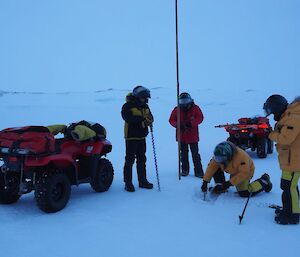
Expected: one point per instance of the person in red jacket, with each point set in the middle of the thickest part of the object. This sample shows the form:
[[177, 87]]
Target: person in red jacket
[[190, 117]]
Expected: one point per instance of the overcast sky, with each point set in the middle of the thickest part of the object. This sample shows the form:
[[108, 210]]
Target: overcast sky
[[72, 45]]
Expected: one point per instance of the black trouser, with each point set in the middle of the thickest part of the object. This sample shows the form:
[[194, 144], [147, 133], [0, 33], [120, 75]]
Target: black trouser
[[195, 156], [290, 193], [135, 149], [219, 177]]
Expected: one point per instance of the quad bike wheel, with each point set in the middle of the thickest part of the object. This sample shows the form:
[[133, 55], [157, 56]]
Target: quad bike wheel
[[103, 175], [262, 148], [9, 191], [52, 191], [270, 146]]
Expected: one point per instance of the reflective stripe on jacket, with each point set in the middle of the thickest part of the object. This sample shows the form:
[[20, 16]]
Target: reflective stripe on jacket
[[134, 115]]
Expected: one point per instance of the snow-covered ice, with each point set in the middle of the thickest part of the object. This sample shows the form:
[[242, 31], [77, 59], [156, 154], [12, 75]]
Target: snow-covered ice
[[63, 61]]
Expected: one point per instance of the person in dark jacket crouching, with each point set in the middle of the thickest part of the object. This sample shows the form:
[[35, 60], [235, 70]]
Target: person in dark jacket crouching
[[138, 117], [190, 118]]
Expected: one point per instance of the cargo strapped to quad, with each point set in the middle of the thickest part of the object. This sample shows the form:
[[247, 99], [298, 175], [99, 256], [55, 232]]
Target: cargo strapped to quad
[[29, 140]]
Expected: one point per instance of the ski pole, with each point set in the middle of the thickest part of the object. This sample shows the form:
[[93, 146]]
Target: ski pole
[[242, 216], [154, 154]]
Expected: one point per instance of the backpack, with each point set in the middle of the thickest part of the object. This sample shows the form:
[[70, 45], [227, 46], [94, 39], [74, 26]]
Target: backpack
[[29, 140], [99, 129]]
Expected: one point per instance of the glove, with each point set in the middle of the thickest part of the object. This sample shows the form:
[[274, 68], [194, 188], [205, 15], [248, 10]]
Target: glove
[[221, 188], [218, 189], [226, 185], [147, 121], [204, 186]]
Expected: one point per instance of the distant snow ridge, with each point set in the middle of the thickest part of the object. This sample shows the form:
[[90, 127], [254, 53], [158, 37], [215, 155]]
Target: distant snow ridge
[[2, 92], [18, 92]]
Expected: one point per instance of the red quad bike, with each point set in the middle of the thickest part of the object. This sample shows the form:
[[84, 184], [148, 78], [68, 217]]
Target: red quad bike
[[251, 133], [33, 160]]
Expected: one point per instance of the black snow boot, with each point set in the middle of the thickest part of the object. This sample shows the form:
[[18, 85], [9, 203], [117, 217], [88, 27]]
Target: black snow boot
[[266, 182], [184, 173], [129, 187], [278, 210], [199, 171], [199, 175], [146, 184], [284, 219]]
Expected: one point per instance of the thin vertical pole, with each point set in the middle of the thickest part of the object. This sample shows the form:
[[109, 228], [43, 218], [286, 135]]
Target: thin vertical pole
[[155, 159], [177, 78]]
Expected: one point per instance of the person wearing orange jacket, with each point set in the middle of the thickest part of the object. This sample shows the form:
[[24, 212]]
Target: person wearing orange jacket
[[286, 134], [190, 118], [233, 160]]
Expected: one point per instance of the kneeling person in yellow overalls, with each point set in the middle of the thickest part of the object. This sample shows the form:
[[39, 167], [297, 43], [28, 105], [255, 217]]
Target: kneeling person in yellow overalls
[[236, 162]]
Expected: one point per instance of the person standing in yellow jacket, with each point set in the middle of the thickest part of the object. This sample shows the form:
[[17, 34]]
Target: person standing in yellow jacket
[[233, 160], [286, 134]]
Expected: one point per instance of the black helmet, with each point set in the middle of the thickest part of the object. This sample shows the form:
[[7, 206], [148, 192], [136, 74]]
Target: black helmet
[[223, 152], [185, 100], [141, 92], [275, 104]]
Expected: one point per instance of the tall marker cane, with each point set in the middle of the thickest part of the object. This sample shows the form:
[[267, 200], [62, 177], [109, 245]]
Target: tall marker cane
[[154, 154], [178, 89]]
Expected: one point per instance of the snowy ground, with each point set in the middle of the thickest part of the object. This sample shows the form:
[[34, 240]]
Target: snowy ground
[[173, 222], [233, 55]]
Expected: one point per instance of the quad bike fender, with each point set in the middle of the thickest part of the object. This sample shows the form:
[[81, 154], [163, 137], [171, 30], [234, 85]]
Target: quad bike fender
[[59, 160], [101, 147]]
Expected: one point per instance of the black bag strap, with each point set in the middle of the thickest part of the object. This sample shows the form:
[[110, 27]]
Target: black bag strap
[[15, 145], [22, 130]]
